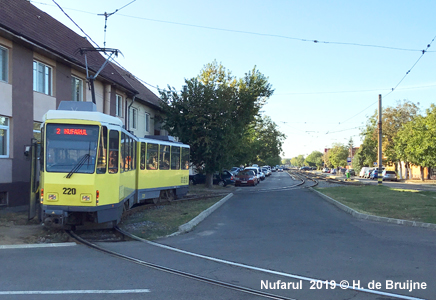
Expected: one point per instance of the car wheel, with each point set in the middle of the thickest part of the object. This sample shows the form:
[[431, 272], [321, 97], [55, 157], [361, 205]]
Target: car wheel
[[221, 183]]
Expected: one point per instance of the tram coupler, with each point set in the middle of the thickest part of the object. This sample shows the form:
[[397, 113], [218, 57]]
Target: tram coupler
[[55, 218]]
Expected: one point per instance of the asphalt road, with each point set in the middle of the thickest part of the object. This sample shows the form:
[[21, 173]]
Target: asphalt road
[[288, 230]]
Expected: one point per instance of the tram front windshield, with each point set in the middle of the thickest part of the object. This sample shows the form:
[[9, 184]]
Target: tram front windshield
[[71, 147]]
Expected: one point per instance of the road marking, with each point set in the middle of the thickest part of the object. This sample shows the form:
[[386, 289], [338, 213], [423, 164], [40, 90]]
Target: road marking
[[138, 291], [25, 246], [277, 272]]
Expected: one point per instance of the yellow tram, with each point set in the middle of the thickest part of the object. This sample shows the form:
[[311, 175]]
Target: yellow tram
[[92, 170]]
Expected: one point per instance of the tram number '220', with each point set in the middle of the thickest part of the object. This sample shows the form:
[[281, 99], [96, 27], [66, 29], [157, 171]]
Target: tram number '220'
[[69, 191]]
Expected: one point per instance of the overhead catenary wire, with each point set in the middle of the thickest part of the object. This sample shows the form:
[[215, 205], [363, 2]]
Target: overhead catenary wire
[[315, 41]]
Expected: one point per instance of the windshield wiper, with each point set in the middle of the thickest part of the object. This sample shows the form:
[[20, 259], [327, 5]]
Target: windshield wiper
[[79, 164]]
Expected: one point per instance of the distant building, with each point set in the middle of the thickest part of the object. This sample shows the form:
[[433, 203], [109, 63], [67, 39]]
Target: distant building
[[40, 66]]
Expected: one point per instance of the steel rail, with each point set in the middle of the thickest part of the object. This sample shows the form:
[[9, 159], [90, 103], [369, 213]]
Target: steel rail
[[177, 272]]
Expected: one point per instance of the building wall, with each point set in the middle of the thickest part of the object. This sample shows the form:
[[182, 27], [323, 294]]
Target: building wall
[[22, 122]]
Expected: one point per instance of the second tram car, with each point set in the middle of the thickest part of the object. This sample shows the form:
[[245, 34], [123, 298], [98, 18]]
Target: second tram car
[[92, 169]]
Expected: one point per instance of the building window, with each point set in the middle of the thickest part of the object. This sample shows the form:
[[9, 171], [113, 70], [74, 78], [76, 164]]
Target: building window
[[4, 137], [37, 131], [119, 106], [147, 122], [42, 78], [134, 117], [76, 89], [3, 64]]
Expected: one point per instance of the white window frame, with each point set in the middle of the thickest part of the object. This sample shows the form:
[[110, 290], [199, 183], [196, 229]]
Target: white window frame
[[134, 117], [147, 122], [4, 64], [6, 129], [42, 78], [118, 105], [74, 81]]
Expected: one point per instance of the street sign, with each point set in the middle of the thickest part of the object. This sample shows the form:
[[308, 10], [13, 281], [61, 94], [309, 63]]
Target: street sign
[[349, 159], [375, 164]]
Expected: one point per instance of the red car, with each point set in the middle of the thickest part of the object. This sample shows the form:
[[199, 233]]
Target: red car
[[246, 177]]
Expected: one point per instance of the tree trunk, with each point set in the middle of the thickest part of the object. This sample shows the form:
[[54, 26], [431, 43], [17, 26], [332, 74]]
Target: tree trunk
[[400, 167], [407, 170], [209, 180], [421, 169]]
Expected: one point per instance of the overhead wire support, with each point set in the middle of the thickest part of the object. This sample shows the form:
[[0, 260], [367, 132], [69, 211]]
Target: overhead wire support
[[106, 15]]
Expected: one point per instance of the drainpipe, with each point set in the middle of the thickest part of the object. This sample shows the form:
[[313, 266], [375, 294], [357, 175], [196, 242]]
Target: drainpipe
[[127, 113]]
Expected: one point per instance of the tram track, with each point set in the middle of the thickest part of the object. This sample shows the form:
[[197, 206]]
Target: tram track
[[173, 271]]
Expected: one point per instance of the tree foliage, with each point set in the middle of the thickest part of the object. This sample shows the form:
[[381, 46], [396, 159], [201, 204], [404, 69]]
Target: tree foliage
[[337, 155], [415, 141], [314, 159], [215, 113]]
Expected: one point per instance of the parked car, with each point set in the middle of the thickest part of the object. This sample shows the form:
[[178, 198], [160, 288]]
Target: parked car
[[389, 175], [305, 168], [351, 172], [273, 169], [367, 173], [374, 174], [333, 171], [235, 170], [246, 177], [224, 178], [265, 171], [256, 172], [362, 171], [326, 170]]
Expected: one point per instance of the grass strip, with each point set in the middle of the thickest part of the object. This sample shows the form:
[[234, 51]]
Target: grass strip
[[163, 220], [388, 202]]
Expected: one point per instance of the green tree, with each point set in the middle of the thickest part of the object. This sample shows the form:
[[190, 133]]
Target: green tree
[[338, 154], [212, 113], [300, 160], [416, 140], [314, 159]]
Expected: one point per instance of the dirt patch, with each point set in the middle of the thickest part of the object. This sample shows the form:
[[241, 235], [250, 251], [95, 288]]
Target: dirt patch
[[15, 229]]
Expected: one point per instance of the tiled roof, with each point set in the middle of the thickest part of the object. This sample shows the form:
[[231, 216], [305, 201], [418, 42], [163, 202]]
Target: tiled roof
[[23, 19], [143, 92]]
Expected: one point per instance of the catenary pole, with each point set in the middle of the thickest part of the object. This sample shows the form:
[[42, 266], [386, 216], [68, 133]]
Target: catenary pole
[[380, 163]]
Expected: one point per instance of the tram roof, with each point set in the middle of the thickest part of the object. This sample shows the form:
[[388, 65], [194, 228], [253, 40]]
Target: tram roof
[[82, 115]]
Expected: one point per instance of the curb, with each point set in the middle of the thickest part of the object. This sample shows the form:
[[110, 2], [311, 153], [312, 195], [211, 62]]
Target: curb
[[359, 215], [194, 222]]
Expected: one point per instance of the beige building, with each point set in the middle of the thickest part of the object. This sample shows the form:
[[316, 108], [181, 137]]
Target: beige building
[[40, 66]]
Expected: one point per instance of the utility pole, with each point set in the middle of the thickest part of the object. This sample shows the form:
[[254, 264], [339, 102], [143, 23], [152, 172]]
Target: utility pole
[[380, 163]]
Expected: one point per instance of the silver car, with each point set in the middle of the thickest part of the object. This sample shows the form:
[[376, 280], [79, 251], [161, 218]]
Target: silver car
[[389, 175]]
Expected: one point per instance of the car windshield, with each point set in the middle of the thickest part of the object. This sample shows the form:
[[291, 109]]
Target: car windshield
[[246, 173], [71, 146]]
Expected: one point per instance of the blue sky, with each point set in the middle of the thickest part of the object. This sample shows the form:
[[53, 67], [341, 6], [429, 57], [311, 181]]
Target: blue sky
[[321, 89]]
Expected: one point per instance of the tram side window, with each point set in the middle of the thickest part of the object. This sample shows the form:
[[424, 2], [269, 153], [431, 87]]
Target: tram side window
[[133, 154], [102, 151], [164, 158], [128, 154], [185, 158], [152, 156], [175, 158], [122, 153], [142, 161], [114, 142]]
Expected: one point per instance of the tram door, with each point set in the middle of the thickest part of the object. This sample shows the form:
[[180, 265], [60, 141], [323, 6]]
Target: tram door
[[34, 153]]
